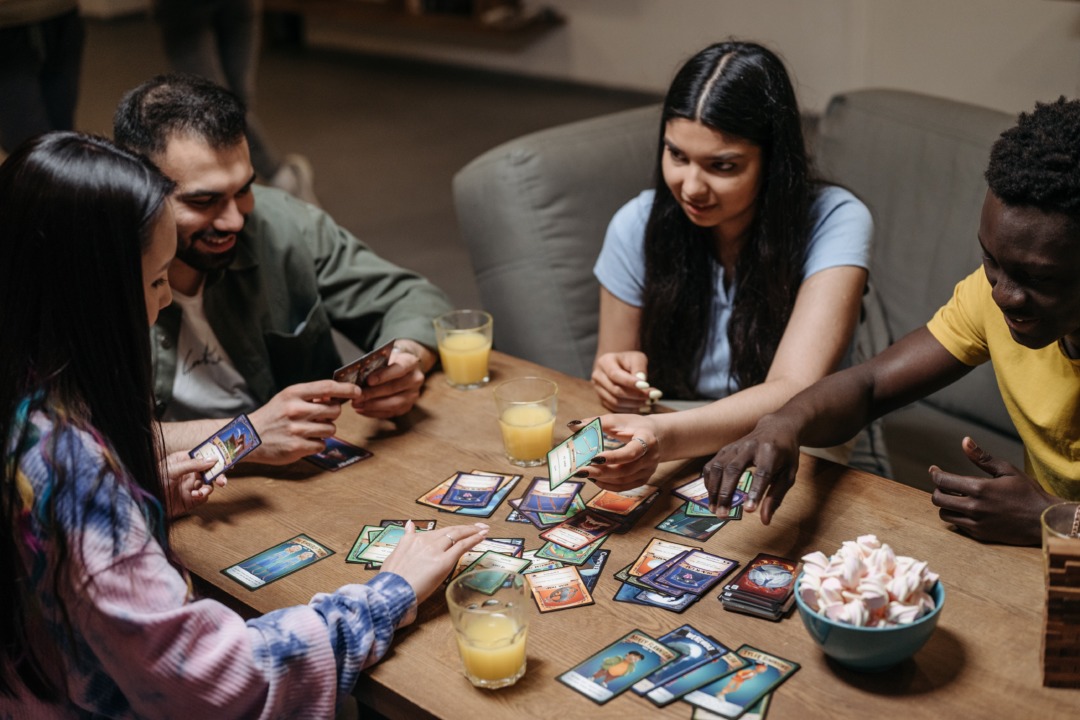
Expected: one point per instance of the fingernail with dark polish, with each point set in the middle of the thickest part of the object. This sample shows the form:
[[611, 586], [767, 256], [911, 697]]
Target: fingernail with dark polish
[[598, 460], [573, 423], [582, 473]]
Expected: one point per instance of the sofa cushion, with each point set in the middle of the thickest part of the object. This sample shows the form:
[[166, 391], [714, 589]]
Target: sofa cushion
[[533, 213], [917, 162]]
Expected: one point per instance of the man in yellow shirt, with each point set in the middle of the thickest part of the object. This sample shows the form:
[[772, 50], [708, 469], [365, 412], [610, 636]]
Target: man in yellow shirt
[[1021, 310]]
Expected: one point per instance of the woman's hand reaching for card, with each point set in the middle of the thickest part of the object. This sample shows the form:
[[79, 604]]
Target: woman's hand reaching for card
[[631, 465], [424, 559], [185, 488]]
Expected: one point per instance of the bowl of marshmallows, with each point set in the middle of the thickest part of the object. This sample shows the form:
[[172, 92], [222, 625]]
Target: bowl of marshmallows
[[867, 607]]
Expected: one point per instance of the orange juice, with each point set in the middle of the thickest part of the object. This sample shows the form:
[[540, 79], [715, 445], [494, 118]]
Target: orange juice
[[492, 648], [527, 431], [465, 357]]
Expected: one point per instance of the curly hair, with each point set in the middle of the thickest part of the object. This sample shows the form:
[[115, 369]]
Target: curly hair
[[1037, 162]]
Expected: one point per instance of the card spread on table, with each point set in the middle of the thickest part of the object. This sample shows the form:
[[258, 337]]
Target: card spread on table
[[362, 367], [627, 593], [381, 545], [486, 545], [278, 561], [591, 568], [580, 530], [558, 589], [655, 554], [488, 510], [574, 453], [576, 507], [362, 541], [719, 666], [731, 696], [420, 525], [495, 569], [696, 528], [694, 572], [624, 503], [755, 712], [541, 497], [612, 670], [537, 564], [695, 648], [553, 551], [227, 446], [338, 454], [471, 491]]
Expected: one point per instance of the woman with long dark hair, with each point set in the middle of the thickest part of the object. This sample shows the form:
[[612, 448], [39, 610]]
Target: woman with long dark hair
[[96, 613], [738, 278]]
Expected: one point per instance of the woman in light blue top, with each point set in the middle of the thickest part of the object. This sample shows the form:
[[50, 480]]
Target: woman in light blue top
[[738, 278]]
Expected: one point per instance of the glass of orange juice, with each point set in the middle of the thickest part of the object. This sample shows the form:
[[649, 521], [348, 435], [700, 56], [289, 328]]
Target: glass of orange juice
[[491, 625], [527, 418], [464, 338]]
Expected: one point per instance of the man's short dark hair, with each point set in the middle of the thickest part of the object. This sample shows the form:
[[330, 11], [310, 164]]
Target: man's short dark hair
[[178, 104], [1037, 162]]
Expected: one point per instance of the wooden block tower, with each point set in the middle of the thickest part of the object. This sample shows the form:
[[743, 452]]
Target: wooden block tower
[[1061, 642]]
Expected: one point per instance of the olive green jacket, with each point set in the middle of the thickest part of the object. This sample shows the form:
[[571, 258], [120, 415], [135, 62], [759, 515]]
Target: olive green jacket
[[296, 275]]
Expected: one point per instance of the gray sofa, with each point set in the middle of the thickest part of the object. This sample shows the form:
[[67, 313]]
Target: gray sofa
[[533, 213]]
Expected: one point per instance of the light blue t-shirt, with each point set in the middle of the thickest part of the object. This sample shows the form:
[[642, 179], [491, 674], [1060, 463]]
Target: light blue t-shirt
[[840, 235]]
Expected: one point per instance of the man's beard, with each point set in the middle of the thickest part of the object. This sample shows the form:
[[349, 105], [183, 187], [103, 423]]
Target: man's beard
[[206, 261]]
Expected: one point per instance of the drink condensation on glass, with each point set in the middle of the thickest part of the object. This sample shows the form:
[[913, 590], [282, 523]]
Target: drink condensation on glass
[[527, 409], [464, 339], [491, 629]]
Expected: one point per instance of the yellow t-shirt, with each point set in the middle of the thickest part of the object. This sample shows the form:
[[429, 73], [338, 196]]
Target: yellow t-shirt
[[1041, 388]]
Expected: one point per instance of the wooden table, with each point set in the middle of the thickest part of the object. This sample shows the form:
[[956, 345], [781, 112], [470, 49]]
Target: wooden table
[[983, 661]]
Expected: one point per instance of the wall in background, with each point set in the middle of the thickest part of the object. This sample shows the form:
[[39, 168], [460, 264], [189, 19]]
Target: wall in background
[[1000, 53]]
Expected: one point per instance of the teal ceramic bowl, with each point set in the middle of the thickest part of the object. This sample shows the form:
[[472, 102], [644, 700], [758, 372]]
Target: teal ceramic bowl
[[870, 649]]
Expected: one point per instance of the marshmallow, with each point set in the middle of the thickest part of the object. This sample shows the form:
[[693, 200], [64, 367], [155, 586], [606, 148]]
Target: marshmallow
[[866, 584]]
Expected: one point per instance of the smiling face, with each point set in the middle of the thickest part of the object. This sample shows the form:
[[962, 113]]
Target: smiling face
[[212, 201], [714, 177], [1032, 261]]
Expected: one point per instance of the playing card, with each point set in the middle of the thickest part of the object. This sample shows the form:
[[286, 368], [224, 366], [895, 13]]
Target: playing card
[[278, 561], [362, 367], [580, 530], [719, 666], [731, 696], [552, 551], [541, 497], [574, 453], [338, 454], [471, 491], [558, 589], [227, 446], [615, 668], [695, 648], [694, 572], [695, 528]]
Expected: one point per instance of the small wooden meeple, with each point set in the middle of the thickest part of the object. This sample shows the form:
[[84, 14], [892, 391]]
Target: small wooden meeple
[[1061, 641]]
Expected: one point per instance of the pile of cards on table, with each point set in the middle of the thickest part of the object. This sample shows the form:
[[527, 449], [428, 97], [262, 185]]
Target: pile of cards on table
[[476, 493], [684, 664], [765, 587], [671, 575]]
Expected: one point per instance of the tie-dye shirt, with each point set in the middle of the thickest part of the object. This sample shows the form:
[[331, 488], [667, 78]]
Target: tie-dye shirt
[[142, 646]]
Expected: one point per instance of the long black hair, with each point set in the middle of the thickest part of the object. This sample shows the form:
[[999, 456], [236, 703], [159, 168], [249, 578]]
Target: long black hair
[[740, 89], [76, 214]]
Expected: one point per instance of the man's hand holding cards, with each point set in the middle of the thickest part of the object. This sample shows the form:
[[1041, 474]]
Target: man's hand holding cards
[[390, 378]]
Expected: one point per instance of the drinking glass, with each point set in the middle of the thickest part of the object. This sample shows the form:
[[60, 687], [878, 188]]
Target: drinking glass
[[491, 627], [464, 339], [527, 418]]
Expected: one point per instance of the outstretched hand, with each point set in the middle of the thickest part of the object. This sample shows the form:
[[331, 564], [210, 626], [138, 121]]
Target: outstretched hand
[[631, 465], [424, 559], [772, 450], [1004, 507]]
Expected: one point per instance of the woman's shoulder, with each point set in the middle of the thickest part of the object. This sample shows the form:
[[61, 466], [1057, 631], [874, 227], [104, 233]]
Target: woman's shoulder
[[637, 209], [829, 198]]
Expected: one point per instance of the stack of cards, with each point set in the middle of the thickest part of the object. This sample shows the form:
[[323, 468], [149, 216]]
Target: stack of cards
[[558, 586], [697, 497], [671, 575], [683, 664], [476, 494], [375, 542], [626, 507], [732, 695], [765, 587]]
